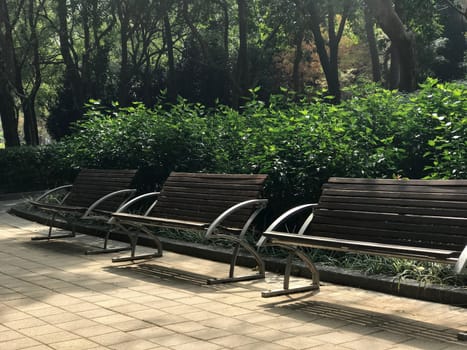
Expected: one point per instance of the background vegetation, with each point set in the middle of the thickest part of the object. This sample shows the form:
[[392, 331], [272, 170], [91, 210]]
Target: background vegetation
[[374, 133], [56, 55]]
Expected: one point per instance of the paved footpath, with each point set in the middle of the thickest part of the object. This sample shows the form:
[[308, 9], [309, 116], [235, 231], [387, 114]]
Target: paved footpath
[[52, 296]]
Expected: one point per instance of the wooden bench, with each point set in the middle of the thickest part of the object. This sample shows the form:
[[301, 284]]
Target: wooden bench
[[94, 195], [223, 206], [412, 219]]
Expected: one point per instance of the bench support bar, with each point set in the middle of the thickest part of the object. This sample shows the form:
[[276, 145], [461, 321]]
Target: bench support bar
[[315, 285], [51, 226], [133, 235]]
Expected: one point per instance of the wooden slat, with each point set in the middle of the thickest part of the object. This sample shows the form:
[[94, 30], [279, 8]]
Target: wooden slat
[[92, 184], [422, 253], [203, 197], [397, 209], [417, 182]]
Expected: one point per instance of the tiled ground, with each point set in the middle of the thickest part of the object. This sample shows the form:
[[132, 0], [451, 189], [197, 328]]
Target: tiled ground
[[52, 296]]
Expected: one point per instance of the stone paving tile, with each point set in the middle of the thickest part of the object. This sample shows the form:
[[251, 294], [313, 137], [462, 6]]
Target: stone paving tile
[[207, 333], [112, 338], [301, 342], [93, 330], [95, 312], [38, 347], [39, 330], [132, 325], [185, 327], [151, 332], [81, 343], [198, 316], [262, 345], [56, 337], [173, 340], [234, 340], [45, 311], [16, 344], [77, 324], [7, 335], [13, 315], [369, 343], [199, 345], [24, 323], [138, 344], [60, 318]]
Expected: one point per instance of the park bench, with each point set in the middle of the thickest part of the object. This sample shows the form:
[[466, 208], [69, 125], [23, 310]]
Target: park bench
[[412, 219], [221, 206], [94, 195]]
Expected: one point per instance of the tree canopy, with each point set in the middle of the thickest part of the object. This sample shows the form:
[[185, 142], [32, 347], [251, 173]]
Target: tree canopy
[[57, 55]]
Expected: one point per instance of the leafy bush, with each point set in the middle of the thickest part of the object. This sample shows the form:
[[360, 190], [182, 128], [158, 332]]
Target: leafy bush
[[33, 168], [373, 133]]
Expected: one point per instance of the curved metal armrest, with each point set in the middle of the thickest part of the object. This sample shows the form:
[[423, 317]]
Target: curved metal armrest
[[285, 216], [52, 191], [93, 206], [461, 265], [128, 204], [260, 203]]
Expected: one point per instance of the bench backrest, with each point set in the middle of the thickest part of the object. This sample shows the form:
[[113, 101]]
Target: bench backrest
[[92, 184], [202, 197], [423, 213]]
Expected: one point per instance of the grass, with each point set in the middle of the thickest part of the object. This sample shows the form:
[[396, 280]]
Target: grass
[[401, 269]]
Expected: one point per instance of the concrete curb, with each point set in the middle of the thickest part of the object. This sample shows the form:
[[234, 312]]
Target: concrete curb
[[379, 283]]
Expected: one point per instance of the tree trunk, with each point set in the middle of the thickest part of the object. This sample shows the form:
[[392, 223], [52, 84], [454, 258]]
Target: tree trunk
[[402, 41], [72, 74], [8, 116], [31, 134], [124, 81], [8, 113], [171, 83], [241, 76], [373, 48], [296, 80], [329, 63]]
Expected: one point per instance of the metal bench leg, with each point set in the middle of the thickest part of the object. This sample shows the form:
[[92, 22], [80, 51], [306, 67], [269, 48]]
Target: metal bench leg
[[133, 243], [50, 236], [288, 270], [105, 248], [240, 244]]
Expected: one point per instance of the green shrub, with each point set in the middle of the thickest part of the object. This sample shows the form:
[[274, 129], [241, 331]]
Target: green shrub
[[33, 168], [373, 133]]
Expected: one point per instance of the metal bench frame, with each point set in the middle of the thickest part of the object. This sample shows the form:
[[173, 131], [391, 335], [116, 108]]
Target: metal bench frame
[[110, 196], [136, 226]]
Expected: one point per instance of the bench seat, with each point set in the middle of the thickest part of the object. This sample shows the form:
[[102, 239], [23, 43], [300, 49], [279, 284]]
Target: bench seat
[[94, 195], [411, 219], [222, 206], [339, 244]]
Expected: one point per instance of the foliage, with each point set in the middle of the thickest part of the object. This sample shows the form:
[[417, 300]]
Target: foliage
[[447, 106], [373, 133], [33, 168], [403, 269]]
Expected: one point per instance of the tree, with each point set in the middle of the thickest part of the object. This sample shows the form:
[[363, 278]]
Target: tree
[[21, 68], [329, 62], [372, 45], [241, 69], [8, 112], [403, 58]]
